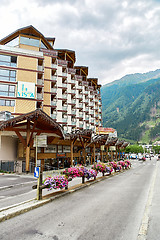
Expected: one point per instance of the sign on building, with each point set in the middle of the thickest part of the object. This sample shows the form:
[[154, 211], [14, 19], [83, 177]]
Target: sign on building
[[110, 131], [112, 148], [40, 140], [26, 90]]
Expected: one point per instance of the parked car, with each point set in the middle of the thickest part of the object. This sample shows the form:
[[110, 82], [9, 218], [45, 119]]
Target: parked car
[[147, 156], [140, 157], [133, 156], [144, 159]]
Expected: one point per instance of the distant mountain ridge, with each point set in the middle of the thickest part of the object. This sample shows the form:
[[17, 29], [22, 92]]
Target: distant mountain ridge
[[132, 106]]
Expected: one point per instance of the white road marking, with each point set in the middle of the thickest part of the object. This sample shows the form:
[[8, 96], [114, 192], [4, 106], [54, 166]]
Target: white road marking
[[145, 220]]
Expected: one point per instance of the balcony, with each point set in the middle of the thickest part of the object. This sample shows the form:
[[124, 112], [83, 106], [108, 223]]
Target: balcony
[[81, 125], [91, 112], [40, 82], [54, 116], [54, 66], [86, 109], [73, 101], [80, 87], [40, 68], [62, 62], [91, 96], [54, 72], [64, 120], [71, 70], [64, 108], [92, 120], [81, 96], [86, 92], [80, 105], [64, 85], [53, 78], [81, 115], [73, 81], [73, 91], [64, 74], [73, 123], [39, 96], [54, 103], [87, 118], [91, 104], [74, 112], [79, 78], [54, 90], [64, 96]]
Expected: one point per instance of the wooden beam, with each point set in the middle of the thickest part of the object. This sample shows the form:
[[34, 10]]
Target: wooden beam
[[116, 154], [94, 153], [107, 153], [42, 160], [27, 147], [32, 131], [21, 138], [71, 153], [22, 124], [74, 140], [81, 141]]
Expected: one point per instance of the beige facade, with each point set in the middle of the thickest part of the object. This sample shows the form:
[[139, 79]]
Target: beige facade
[[59, 87]]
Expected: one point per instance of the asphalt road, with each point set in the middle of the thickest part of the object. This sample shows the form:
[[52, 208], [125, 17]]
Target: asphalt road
[[112, 209], [15, 189]]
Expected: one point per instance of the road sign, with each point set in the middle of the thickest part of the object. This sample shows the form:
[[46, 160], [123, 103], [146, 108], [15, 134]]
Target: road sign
[[36, 172]]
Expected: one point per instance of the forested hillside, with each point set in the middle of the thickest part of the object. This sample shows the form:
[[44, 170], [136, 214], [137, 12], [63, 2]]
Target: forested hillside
[[132, 106]]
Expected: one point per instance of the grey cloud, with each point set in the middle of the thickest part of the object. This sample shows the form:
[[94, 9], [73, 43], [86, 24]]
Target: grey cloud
[[52, 2]]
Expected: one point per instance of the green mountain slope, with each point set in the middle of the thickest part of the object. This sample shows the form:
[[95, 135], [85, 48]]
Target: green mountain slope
[[131, 105]]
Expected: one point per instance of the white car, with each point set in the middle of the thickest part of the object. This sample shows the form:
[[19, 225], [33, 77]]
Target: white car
[[140, 157], [133, 156]]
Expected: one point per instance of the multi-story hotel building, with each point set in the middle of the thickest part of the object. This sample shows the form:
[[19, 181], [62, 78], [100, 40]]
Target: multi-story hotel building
[[35, 75]]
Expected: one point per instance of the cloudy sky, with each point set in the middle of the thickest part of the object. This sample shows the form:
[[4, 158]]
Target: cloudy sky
[[112, 37]]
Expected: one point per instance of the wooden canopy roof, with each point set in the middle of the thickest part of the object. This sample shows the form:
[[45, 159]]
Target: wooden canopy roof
[[84, 69], [119, 143], [100, 139], [124, 145], [111, 141], [30, 31], [40, 121], [70, 54], [93, 80]]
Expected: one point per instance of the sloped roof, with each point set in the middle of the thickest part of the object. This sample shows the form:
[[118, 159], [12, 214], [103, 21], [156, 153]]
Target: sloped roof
[[44, 123], [70, 53], [83, 68], [28, 30]]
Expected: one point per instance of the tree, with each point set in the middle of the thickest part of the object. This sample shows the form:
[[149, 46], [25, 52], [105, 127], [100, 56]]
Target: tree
[[134, 149]]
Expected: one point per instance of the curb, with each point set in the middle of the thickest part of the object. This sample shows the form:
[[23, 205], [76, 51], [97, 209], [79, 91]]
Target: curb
[[17, 209]]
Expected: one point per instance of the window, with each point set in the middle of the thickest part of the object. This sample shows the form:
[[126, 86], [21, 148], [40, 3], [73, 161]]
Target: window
[[29, 41], [7, 75], [43, 45], [14, 42], [6, 60], [10, 103], [7, 90]]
